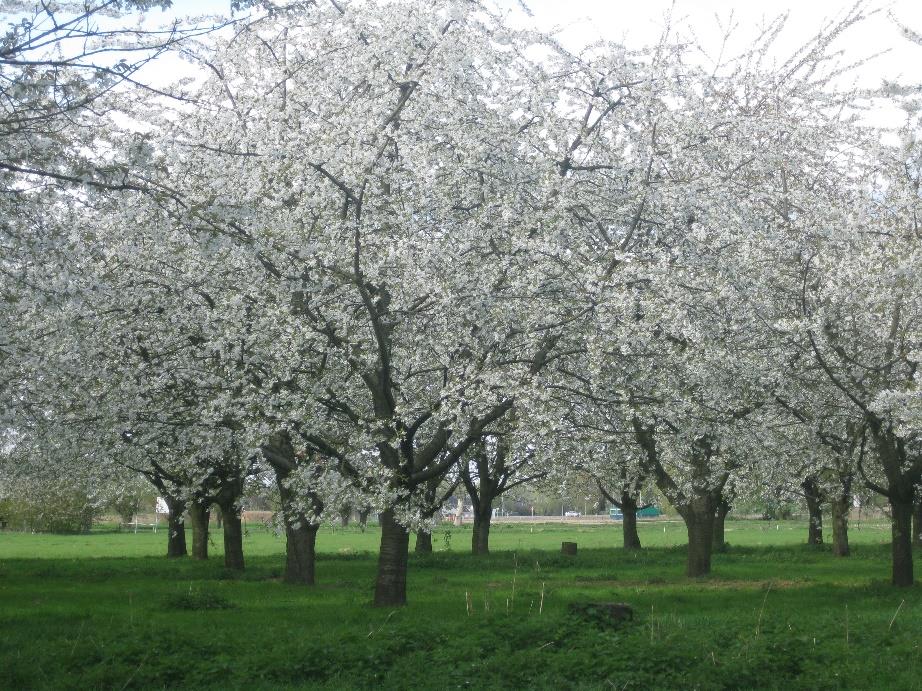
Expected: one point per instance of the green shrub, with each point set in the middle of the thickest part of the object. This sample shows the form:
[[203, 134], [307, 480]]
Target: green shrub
[[61, 511]]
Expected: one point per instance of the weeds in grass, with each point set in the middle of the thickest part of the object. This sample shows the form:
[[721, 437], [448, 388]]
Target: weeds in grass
[[70, 622], [195, 599], [902, 602], [762, 610]]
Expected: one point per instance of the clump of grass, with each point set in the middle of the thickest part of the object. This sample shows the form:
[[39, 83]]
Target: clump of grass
[[198, 600]]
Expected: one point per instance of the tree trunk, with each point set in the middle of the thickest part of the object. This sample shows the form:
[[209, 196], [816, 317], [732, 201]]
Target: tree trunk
[[363, 518], [345, 516], [391, 583], [176, 529], [815, 511], [199, 515], [300, 557], [840, 507], [300, 534], [601, 505], [699, 521], [629, 522], [480, 537], [233, 538], [423, 542], [720, 519], [902, 542], [917, 524]]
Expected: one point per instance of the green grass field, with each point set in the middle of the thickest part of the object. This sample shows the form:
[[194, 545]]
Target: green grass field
[[106, 610]]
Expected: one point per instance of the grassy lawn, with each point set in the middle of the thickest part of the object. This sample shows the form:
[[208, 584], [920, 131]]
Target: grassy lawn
[[105, 610]]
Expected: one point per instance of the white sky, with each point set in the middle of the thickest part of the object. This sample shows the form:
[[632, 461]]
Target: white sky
[[639, 22], [636, 23]]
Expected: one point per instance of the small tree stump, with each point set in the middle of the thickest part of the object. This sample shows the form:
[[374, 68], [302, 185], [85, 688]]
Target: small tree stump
[[568, 548]]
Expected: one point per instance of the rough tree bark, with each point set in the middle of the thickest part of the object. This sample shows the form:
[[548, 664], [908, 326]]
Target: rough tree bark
[[199, 515], [814, 497], [176, 528], [840, 506], [629, 523], [696, 507], [901, 509], [233, 536], [300, 552], [483, 514], [391, 583], [903, 477], [423, 542], [699, 521], [300, 531], [300, 535]]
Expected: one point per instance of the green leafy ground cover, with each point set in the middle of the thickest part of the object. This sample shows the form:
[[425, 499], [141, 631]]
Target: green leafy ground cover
[[105, 610]]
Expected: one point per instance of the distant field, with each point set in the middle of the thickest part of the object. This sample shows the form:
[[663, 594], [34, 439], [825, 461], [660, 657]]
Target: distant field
[[105, 610]]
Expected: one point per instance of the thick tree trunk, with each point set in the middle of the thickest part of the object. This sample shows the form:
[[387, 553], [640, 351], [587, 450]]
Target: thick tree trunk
[[300, 534], [233, 538], [363, 518], [423, 542], [345, 516], [176, 529], [391, 583], [815, 512], [480, 538], [840, 507], [917, 524], [199, 515], [720, 519], [699, 521], [300, 557], [629, 522], [902, 542]]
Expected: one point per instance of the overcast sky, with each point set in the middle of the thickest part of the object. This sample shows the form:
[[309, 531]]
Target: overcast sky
[[639, 22]]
